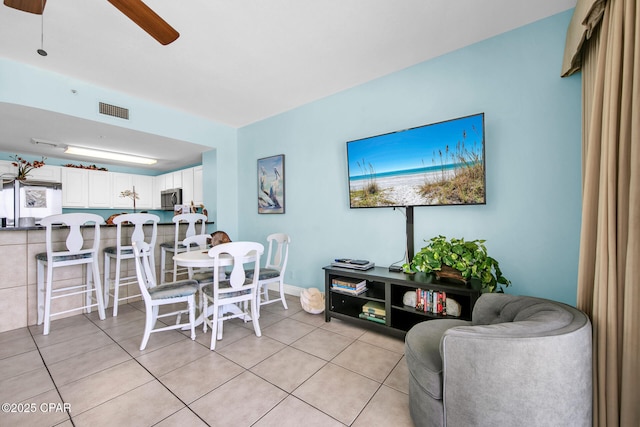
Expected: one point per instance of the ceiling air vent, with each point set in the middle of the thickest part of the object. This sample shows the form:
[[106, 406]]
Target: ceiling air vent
[[112, 110]]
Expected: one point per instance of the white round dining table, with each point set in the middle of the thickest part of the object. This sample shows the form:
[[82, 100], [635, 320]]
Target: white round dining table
[[199, 259]]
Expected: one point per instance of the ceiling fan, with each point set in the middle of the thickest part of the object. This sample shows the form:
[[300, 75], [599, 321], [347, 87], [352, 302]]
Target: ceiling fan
[[136, 10]]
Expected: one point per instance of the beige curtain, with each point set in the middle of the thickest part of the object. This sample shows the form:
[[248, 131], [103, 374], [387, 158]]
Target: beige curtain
[[609, 269]]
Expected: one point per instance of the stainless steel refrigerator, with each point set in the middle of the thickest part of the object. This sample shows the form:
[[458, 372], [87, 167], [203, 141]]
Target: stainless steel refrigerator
[[24, 204]]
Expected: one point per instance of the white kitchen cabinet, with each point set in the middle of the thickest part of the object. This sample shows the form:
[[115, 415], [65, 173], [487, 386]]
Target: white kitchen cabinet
[[158, 183], [177, 179], [192, 186], [172, 180], [198, 185], [187, 186], [121, 182], [83, 188], [75, 187], [49, 173], [6, 168], [99, 189], [144, 188], [162, 181]]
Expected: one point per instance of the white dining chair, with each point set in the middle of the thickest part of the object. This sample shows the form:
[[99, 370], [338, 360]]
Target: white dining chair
[[69, 246], [123, 251], [235, 297], [196, 224], [274, 269], [154, 295]]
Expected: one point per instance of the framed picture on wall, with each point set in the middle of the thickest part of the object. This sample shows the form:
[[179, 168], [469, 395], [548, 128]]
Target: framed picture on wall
[[271, 185]]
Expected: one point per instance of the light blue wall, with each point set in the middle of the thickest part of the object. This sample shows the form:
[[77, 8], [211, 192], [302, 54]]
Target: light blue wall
[[30, 86], [531, 221], [532, 217]]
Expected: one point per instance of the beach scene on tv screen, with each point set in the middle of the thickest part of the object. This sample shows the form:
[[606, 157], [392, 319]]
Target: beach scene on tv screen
[[437, 164]]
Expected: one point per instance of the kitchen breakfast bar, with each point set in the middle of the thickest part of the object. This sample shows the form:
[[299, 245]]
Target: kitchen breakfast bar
[[18, 249]]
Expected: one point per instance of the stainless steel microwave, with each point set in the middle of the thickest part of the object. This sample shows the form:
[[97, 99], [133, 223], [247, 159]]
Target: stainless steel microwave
[[170, 198]]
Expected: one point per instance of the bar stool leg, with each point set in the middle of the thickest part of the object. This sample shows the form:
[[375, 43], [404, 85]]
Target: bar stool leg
[[163, 260], [116, 287], [98, 287], [89, 288], [47, 299], [107, 273], [175, 270], [40, 291]]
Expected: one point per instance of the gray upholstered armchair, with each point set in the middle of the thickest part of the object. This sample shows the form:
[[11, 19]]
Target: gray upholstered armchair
[[521, 361]]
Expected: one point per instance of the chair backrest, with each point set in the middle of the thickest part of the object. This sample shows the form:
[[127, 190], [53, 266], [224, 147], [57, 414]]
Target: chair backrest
[[192, 220], [75, 239], [241, 253], [278, 253], [200, 240], [142, 253], [138, 220]]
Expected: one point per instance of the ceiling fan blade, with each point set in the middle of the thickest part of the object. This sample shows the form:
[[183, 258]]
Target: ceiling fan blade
[[31, 6], [147, 19]]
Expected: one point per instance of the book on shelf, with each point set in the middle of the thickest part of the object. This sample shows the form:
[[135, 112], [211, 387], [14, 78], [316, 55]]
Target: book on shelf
[[349, 291], [377, 316], [348, 288], [348, 283], [372, 319], [374, 307], [431, 301]]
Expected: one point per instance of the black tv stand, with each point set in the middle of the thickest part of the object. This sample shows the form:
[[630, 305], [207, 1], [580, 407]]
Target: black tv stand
[[389, 289]]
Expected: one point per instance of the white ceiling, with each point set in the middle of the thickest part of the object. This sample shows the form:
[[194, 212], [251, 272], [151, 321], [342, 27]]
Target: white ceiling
[[241, 61]]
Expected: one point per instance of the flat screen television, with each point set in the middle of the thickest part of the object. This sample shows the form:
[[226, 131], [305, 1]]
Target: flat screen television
[[432, 165]]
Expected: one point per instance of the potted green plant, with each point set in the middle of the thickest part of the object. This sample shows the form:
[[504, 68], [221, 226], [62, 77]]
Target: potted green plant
[[469, 258]]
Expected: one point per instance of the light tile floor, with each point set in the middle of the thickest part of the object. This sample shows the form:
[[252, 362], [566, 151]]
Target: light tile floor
[[302, 371]]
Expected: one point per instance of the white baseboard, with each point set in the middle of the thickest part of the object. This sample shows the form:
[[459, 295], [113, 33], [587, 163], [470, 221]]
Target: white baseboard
[[290, 289]]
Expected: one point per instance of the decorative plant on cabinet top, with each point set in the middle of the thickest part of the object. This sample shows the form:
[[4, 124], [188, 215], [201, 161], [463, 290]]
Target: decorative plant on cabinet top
[[24, 167], [470, 258]]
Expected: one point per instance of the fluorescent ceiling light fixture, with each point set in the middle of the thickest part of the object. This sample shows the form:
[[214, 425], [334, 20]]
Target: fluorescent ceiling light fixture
[[110, 155]]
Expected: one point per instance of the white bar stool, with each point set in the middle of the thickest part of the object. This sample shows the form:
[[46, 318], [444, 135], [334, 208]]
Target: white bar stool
[[73, 252], [192, 220], [123, 251]]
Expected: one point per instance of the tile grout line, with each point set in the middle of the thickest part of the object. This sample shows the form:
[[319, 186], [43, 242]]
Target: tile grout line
[[50, 376], [245, 370], [150, 373]]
